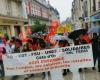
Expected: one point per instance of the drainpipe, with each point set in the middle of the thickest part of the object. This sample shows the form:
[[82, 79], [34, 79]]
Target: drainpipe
[[90, 13], [24, 9]]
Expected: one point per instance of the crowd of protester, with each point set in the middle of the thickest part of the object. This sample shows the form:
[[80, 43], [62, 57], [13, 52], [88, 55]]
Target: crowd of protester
[[16, 45]]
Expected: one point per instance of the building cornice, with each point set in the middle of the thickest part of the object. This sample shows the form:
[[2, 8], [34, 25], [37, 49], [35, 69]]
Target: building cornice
[[13, 18], [41, 4]]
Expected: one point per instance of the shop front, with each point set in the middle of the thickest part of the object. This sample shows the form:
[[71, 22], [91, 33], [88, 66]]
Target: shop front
[[5, 29], [11, 27]]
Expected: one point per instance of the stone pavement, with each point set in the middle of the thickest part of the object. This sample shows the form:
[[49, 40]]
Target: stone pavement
[[87, 74]]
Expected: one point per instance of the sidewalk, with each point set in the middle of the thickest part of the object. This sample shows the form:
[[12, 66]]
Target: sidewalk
[[88, 74]]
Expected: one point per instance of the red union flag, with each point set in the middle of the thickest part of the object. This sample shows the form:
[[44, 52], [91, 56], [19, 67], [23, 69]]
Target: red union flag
[[53, 28], [87, 38], [53, 31]]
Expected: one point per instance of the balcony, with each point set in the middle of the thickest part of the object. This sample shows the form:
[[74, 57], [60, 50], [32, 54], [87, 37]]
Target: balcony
[[38, 17]]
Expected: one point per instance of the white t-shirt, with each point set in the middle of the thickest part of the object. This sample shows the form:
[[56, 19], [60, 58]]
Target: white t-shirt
[[10, 49]]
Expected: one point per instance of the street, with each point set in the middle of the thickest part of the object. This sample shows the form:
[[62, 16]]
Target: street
[[87, 74]]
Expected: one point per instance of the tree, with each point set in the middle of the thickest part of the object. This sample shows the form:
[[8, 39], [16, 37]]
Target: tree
[[38, 27], [6, 36]]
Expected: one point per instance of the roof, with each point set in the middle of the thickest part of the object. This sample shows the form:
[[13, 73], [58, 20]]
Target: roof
[[54, 9]]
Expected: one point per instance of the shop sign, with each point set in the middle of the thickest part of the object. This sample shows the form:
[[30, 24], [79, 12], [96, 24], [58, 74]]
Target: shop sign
[[95, 18]]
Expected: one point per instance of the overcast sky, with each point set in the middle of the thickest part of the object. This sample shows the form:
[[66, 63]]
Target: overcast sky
[[63, 6]]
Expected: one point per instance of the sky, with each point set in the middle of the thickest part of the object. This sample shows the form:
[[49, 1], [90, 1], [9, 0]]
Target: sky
[[64, 8]]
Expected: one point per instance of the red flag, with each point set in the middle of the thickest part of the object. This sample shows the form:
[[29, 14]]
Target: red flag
[[87, 38], [28, 31], [25, 39], [53, 30]]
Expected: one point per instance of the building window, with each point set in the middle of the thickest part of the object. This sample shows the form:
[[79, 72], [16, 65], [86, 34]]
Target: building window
[[85, 8], [5, 29], [94, 5], [17, 30], [8, 7]]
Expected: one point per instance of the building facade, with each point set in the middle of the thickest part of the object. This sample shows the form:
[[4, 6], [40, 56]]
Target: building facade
[[40, 9], [53, 14], [95, 13], [12, 17], [86, 14], [90, 13], [77, 13], [37, 9]]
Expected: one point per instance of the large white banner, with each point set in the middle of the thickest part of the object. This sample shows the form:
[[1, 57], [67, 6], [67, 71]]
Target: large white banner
[[45, 60]]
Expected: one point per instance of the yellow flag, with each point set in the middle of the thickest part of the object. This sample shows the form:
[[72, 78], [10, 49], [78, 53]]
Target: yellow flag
[[69, 27], [60, 29]]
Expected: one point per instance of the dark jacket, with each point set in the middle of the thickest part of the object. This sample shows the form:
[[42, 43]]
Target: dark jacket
[[95, 46]]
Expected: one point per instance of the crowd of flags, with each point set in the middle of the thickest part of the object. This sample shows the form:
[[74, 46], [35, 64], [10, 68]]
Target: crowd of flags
[[55, 28]]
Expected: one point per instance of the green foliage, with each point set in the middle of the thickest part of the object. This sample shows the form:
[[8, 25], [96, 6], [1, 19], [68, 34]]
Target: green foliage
[[38, 27], [6, 36]]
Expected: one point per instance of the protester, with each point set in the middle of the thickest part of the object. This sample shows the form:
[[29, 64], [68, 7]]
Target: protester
[[95, 48], [76, 42], [2, 52], [42, 46], [64, 43], [10, 46], [25, 48], [4, 40], [18, 46], [98, 55], [33, 45], [81, 40], [28, 47], [15, 45]]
